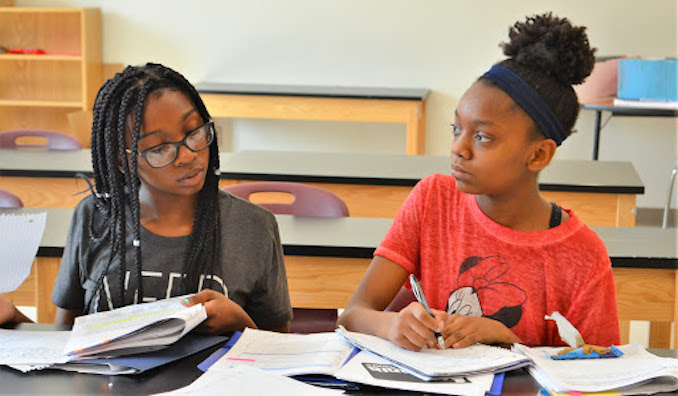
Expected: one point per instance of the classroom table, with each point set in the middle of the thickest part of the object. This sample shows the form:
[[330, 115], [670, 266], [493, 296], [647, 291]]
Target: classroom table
[[322, 103], [325, 259], [181, 373], [621, 111], [601, 193]]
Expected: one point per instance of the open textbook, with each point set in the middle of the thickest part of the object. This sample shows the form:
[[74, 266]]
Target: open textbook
[[440, 364], [636, 372], [329, 354], [133, 329]]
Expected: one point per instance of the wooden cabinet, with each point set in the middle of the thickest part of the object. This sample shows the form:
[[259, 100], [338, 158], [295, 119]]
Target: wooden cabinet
[[38, 91]]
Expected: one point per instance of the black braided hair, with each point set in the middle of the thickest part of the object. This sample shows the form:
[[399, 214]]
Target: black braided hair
[[117, 183], [550, 55]]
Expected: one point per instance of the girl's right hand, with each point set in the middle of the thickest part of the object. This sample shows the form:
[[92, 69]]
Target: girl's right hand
[[223, 314], [413, 328]]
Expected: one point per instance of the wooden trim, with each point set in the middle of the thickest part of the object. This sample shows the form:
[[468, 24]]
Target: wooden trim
[[323, 282], [48, 268], [409, 112], [626, 210]]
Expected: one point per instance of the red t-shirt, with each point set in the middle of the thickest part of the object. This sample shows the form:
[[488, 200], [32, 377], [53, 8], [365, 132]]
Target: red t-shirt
[[471, 265]]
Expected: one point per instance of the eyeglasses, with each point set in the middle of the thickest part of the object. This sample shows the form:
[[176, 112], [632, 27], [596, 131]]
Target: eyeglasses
[[164, 154]]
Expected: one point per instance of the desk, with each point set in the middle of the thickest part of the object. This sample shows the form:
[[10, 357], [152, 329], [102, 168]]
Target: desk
[[620, 111], [179, 374], [601, 193], [295, 102], [326, 259]]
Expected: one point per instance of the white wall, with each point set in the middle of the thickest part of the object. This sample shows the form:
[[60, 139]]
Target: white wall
[[442, 45]]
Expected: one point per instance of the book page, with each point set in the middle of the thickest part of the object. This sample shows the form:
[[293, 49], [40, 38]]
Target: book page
[[32, 347], [20, 237], [105, 327], [597, 375], [288, 354], [440, 362]]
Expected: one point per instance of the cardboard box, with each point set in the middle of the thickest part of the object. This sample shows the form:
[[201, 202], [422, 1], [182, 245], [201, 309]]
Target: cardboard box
[[643, 79]]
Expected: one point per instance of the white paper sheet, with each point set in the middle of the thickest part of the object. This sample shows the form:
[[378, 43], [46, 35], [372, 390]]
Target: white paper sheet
[[597, 375], [288, 354], [101, 329], [20, 236], [248, 381], [18, 347], [370, 369]]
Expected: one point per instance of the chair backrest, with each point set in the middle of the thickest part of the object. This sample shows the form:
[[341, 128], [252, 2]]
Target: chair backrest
[[308, 200], [401, 300], [9, 201], [39, 138]]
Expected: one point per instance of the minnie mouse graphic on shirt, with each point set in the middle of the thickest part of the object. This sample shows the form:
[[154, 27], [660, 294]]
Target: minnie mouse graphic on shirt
[[480, 291]]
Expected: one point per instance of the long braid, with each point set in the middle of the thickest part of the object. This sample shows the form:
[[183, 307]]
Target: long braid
[[132, 182], [204, 249], [117, 180]]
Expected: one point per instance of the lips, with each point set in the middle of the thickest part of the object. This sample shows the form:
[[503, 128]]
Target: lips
[[190, 174], [459, 169], [459, 173]]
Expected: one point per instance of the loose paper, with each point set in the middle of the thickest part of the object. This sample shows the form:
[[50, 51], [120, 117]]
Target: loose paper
[[20, 236]]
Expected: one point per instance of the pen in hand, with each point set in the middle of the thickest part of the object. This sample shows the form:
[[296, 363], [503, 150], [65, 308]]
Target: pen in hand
[[419, 294]]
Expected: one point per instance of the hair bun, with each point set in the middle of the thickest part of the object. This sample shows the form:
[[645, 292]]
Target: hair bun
[[551, 45]]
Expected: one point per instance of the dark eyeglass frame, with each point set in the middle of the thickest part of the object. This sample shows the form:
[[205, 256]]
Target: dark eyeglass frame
[[210, 128]]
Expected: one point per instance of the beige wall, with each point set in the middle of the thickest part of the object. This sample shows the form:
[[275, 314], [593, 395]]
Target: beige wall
[[439, 44]]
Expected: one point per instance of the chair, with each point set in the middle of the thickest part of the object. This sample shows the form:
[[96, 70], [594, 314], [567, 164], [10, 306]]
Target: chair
[[38, 138], [9, 201], [401, 300], [308, 201]]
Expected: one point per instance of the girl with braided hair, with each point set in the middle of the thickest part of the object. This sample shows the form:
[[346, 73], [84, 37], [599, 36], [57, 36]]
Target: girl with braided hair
[[157, 225], [493, 256]]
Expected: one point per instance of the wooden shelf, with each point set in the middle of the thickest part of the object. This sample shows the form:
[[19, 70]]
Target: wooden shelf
[[39, 91], [40, 58], [41, 103]]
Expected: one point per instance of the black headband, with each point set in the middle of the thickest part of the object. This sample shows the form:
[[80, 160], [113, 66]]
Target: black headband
[[529, 100]]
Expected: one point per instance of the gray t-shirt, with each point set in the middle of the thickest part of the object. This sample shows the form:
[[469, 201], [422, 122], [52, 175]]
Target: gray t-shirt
[[252, 272]]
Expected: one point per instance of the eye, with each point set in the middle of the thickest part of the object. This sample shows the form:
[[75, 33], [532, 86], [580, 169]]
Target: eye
[[456, 130], [160, 149], [482, 138]]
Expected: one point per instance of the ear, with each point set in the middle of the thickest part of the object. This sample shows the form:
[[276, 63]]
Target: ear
[[542, 154]]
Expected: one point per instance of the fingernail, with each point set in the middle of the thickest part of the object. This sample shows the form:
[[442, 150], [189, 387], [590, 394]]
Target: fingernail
[[187, 301]]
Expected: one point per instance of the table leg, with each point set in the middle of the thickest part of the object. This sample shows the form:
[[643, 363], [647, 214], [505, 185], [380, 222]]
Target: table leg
[[596, 135]]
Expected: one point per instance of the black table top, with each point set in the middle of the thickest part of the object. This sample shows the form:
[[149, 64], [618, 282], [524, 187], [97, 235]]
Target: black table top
[[343, 168], [357, 237], [630, 111], [179, 374], [318, 91]]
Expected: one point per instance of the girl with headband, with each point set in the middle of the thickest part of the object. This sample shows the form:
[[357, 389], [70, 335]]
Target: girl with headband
[[493, 256]]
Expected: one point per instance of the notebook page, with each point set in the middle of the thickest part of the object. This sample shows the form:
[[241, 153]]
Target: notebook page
[[32, 347], [439, 362], [248, 381], [102, 327], [288, 354], [20, 236], [597, 375]]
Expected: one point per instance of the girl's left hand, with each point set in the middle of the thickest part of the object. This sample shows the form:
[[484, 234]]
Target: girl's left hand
[[461, 331], [223, 315]]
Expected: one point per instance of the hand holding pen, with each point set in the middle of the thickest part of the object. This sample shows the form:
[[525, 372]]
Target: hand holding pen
[[419, 294]]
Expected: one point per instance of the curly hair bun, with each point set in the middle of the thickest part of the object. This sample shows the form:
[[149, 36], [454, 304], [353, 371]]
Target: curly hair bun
[[551, 45]]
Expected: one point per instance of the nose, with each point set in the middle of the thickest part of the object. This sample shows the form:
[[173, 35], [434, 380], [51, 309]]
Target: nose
[[184, 155], [461, 146]]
